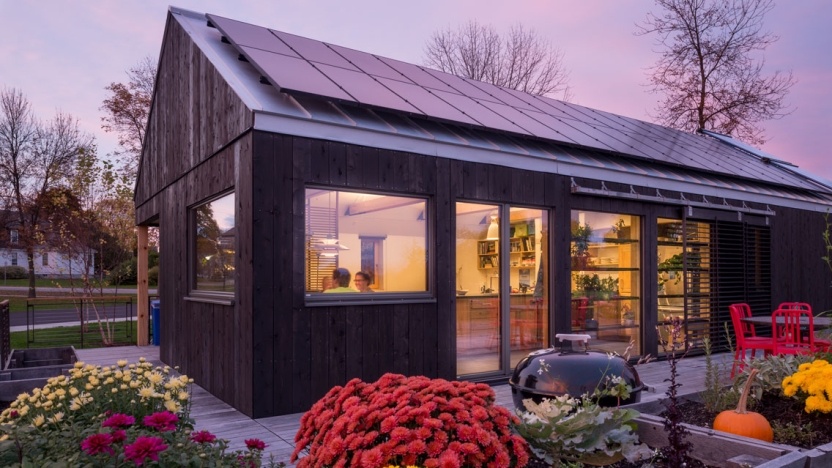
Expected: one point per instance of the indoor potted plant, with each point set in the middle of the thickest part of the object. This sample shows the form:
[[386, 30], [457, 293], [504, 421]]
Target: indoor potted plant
[[580, 245]]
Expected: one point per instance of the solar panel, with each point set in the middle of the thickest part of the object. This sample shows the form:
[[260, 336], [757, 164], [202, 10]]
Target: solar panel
[[426, 102], [368, 63], [461, 86], [314, 51], [294, 74], [415, 74], [365, 89], [244, 34], [480, 113], [297, 64]]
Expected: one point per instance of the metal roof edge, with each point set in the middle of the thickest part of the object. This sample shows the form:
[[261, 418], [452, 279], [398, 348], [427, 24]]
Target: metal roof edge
[[294, 126], [215, 56]]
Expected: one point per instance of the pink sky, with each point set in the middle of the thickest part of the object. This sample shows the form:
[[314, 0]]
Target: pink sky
[[62, 53]]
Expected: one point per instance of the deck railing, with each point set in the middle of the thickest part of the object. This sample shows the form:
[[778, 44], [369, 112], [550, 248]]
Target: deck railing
[[80, 321]]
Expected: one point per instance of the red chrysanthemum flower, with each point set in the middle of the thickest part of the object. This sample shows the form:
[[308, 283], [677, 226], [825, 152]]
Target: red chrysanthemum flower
[[255, 444], [400, 434], [144, 448], [119, 420], [162, 421], [449, 459], [97, 443], [203, 437], [118, 436]]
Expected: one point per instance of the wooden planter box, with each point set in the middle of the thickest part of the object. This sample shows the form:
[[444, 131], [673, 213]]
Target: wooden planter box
[[723, 449]]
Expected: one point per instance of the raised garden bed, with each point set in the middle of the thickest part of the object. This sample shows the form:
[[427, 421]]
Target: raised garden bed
[[718, 448], [30, 368]]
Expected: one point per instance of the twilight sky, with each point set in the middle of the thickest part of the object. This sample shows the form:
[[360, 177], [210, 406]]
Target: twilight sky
[[62, 53]]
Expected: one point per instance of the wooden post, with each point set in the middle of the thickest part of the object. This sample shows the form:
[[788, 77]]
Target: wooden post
[[141, 288]]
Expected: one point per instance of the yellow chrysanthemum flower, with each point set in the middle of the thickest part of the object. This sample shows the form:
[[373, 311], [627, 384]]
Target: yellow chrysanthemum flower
[[56, 418], [146, 392], [183, 396], [38, 420], [121, 363], [155, 377], [172, 406], [79, 365], [73, 391]]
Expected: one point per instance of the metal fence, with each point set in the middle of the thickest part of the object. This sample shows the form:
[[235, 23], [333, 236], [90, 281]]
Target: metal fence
[[5, 338], [79, 321]]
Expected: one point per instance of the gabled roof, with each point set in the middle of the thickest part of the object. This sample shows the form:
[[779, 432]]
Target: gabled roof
[[304, 87]]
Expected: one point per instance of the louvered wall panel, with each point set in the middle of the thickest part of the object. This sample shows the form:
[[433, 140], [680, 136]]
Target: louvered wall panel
[[698, 281], [758, 268]]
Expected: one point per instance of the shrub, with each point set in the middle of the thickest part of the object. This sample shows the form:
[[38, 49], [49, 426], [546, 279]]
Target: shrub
[[407, 421], [13, 272], [773, 370], [153, 276], [124, 414]]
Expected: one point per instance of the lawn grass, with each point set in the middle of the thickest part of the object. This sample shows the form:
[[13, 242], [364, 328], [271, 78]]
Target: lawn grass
[[71, 336], [17, 300], [59, 283]]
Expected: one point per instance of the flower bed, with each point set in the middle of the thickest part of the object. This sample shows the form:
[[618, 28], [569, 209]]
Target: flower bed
[[409, 421], [123, 415]]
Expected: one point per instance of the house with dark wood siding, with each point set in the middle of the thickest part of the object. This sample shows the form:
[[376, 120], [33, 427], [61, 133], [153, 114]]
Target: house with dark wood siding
[[327, 214]]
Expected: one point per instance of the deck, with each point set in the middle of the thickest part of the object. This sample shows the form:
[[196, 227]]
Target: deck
[[278, 432]]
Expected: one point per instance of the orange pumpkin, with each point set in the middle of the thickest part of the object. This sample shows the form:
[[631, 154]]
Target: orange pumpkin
[[742, 422]]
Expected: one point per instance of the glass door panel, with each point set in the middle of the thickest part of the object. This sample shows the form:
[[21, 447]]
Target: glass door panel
[[478, 317], [606, 279]]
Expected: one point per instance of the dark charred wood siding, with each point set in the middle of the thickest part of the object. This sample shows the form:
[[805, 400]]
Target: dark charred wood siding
[[194, 114]]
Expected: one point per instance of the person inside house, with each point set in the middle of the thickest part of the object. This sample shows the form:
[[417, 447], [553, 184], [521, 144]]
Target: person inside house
[[362, 282], [341, 281]]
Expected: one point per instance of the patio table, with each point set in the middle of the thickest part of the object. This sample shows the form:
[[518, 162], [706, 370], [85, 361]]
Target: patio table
[[817, 322]]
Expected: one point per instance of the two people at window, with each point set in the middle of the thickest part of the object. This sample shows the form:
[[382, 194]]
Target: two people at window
[[340, 282]]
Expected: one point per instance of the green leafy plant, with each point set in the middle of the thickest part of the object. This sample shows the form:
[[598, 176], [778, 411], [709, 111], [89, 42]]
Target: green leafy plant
[[794, 434], [595, 287], [124, 415], [580, 244], [773, 370], [716, 397], [578, 429]]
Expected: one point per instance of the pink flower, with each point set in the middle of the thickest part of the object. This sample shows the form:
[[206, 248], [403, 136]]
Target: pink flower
[[255, 444], [119, 420], [97, 443], [118, 436], [203, 437], [162, 421], [144, 448], [14, 414]]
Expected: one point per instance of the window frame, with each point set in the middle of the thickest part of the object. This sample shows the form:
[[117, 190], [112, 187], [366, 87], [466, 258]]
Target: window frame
[[200, 295], [14, 236], [315, 299]]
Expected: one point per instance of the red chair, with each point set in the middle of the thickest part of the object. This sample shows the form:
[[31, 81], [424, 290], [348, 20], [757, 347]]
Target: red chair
[[747, 338], [789, 337], [579, 306], [823, 345]]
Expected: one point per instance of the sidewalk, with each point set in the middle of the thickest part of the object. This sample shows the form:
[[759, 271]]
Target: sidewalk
[[64, 290]]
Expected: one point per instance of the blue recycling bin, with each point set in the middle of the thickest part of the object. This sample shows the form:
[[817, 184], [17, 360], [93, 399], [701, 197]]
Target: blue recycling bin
[[154, 321]]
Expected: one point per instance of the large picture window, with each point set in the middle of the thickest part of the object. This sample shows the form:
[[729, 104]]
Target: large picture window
[[361, 243], [215, 245]]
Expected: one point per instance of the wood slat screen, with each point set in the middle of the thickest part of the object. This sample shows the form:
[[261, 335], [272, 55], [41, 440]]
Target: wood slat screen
[[742, 274], [698, 261]]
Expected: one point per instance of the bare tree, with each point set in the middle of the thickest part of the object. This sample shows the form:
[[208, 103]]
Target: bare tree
[[706, 71], [127, 108], [521, 60], [35, 158]]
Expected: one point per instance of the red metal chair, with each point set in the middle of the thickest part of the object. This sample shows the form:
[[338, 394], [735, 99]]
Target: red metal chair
[[823, 345], [789, 337], [579, 306], [746, 336]]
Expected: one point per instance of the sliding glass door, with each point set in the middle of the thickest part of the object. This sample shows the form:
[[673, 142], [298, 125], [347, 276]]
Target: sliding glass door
[[502, 299]]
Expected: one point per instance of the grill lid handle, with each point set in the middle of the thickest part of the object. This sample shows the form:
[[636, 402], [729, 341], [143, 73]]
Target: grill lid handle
[[566, 340]]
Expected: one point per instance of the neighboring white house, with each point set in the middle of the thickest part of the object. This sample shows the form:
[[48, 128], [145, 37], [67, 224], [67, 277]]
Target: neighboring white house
[[49, 262]]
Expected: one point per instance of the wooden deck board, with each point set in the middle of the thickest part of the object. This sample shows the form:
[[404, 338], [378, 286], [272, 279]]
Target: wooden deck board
[[278, 432]]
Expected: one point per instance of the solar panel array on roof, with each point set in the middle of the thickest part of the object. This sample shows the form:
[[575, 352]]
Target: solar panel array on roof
[[300, 65]]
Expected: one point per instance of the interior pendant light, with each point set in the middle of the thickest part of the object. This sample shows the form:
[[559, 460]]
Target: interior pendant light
[[493, 229]]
